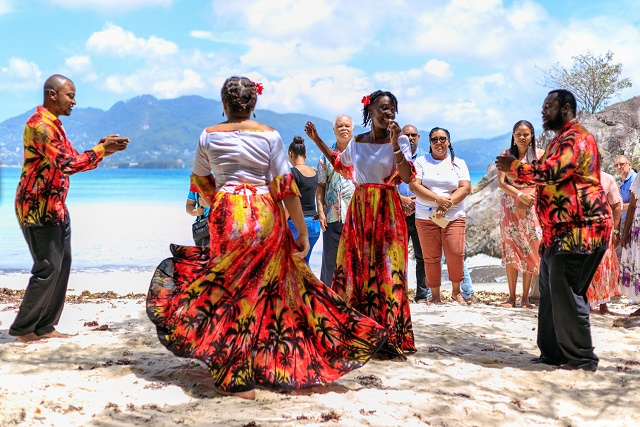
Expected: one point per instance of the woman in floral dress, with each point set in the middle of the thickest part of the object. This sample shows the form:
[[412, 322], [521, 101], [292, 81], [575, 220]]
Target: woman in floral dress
[[519, 226], [604, 284], [630, 240], [371, 270], [248, 306]]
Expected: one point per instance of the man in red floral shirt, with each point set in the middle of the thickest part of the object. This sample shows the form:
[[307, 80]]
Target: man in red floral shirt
[[576, 224], [49, 159]]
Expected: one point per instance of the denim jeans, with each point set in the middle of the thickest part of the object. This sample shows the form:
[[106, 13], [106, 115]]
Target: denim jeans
[[313, 225]]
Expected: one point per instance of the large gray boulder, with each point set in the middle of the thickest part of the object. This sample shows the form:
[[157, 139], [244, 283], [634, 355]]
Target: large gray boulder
[[616, 130]]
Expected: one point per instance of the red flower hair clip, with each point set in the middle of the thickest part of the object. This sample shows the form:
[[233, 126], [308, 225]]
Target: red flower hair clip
[[259, 87], [366, 100]]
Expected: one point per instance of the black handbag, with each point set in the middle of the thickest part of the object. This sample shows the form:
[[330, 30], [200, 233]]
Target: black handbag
[[200, 228]]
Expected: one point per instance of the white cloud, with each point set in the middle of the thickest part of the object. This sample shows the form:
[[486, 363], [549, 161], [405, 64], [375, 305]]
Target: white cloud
[[114, 40], [6, 6], [111, 5], [20, 74], [79, 63], [160, 82], [437, 68]]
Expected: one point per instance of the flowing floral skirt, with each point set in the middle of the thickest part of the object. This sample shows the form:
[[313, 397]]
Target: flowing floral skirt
[[630, 262], [252, 311], [521, 236], [371, 267], [604, 284]]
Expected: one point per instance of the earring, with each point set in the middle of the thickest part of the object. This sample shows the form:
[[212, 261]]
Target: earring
[[254, 114], [222, 113]]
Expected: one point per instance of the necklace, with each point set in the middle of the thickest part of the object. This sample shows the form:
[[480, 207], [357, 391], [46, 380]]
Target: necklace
[[300, 164]]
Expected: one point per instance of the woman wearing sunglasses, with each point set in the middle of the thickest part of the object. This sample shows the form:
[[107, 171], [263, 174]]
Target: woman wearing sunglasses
[[442, 183]]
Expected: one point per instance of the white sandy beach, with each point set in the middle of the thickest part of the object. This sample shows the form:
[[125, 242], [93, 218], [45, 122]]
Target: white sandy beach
[[472, 368]]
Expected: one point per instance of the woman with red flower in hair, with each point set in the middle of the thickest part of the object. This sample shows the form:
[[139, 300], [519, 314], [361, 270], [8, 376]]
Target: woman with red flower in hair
[[249, 307], [371, 264]]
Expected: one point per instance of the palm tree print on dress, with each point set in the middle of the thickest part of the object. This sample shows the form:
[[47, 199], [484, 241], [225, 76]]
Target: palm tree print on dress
[[250, 310]]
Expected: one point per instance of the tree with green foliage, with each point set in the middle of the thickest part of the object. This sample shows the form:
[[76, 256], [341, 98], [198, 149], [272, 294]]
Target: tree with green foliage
[[593, 79]]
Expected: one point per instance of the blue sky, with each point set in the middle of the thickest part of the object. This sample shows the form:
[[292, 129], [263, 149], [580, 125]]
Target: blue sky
[[472, 66]]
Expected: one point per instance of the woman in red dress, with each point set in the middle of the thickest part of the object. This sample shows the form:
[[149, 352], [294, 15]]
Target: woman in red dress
[[248, 306], [371, 269]]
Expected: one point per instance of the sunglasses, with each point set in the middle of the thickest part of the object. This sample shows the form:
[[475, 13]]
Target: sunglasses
[[442, 139], [411, 135], [619, 165]]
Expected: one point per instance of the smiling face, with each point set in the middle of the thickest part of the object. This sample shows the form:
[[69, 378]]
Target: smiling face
[[60, 101], [439, 144], [382, 112], [522, 138], [343, 129]]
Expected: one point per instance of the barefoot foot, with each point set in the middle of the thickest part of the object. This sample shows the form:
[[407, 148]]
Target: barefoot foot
[[29, 338], [459, 299], [525, 303], [249, 394], [55, 334], [510, 303]]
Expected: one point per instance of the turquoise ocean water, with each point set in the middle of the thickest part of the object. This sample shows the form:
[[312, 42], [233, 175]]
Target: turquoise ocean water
[[121, 218]]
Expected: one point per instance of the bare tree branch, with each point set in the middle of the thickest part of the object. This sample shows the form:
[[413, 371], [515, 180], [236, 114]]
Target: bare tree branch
[[592, 79]]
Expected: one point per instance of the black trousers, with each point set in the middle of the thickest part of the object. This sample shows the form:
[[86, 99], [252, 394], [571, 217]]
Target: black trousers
[[41, 307], [330, 242], [564, 330], [422, 291]]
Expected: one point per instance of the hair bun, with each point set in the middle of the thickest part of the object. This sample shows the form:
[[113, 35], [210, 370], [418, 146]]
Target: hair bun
[[298, 140]]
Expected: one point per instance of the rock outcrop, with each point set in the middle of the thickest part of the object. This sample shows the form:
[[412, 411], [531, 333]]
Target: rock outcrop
[[617, 131]]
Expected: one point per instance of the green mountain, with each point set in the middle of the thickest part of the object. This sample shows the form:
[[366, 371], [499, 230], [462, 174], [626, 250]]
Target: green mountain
[[164, 132]]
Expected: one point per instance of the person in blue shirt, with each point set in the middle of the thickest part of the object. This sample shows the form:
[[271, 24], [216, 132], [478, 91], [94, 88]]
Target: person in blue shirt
[[626, 174], [407, 199], [194, 207]]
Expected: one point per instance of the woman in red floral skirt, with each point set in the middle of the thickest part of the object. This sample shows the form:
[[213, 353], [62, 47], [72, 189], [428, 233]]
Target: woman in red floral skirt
[[248, 306], [371, 264]]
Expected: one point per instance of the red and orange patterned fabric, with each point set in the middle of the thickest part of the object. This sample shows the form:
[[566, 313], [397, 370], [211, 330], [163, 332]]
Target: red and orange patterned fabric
[[49, 159], [571, 206], [248, 308], [371, 267]]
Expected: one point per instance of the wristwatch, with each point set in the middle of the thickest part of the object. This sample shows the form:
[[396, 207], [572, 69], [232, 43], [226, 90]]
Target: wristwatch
[[616, 232], [519, 194]]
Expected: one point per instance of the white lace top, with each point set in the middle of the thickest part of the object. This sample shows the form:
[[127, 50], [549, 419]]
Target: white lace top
[[241, 157], [372, 163]]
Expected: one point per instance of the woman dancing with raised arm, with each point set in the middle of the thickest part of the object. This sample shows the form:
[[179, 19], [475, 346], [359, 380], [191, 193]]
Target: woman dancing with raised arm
[[371, 264], [248, 306]]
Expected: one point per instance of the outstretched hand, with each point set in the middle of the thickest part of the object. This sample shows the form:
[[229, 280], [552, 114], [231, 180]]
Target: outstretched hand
[[113, 143], [311, 131], [504, 160]]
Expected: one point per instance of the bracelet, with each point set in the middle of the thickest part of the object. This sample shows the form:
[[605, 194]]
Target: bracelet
[[435, 200], [616, 232], [400, 162], [519, 194], [398, 151]]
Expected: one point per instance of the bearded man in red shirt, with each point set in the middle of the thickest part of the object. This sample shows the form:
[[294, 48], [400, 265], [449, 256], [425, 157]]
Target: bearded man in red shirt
[[576, 223]]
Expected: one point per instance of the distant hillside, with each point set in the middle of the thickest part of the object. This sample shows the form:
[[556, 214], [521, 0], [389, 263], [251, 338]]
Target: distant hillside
[[164, 132]]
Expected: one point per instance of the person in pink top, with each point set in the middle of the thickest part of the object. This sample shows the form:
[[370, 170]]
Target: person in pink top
[[604, 284]]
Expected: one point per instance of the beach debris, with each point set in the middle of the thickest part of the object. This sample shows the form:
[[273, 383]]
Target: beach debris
[[627, 322], [371, 381], [329, 416], [438, 349], [91, 323]]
